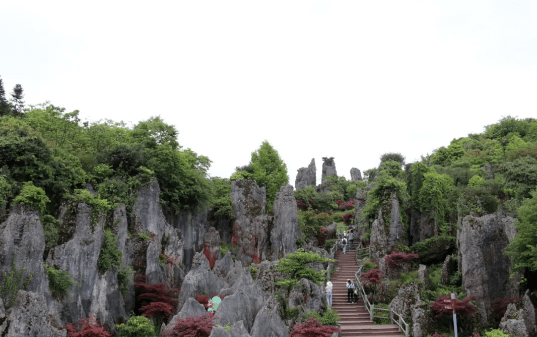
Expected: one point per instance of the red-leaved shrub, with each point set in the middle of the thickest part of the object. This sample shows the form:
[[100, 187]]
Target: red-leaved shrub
[[157, 309], [155, 300], [347, 218], [436, 334], [88, 328], [192, 326], [312, 328], [395, 260], [339, 202], [440, 308], [301, 205], [372, 276], [499, 306]]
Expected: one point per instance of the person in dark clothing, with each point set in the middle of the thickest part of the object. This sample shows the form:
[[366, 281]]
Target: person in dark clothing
[[350, 291]]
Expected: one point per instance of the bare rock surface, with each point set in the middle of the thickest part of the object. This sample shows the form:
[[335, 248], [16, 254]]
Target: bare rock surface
[[251, 228], [243, 305], [419, 322], [396, 226], [513, 322], [190, 308], [407, 298], [268, 322], [484, 266], [379, 238], [306, 176], [423, 276], [237, 329], [329, 168], [361, 224], [356, 175], [211, 242], [29, 317], [285, 231]]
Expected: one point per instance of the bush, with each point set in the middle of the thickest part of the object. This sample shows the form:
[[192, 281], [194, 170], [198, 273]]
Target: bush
[[464, 307], [193, 326], [32, 196], [87, 328], [372, 277], [368, 266], [313, 328], [136, 326], [294, 266], [495, 333], [395, 260], [123, 280], [329, 317], [110, 256], [59, 282]]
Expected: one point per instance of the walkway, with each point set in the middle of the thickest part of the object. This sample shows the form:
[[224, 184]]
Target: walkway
[[354, 317]]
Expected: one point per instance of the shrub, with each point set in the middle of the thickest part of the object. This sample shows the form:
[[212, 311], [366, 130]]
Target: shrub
[[158, 292], [88, 328], [193, 326], [329, 317], [395, 260], [495, 333], [59, 282], [464, 307], [294, 266], [144, 236], [32, 196], [136, 326], [313, 328], [110, 256], [347, 218], [100, 206], [123, 280], [372, 277], [12, 283], [368, 266], [499, 306]]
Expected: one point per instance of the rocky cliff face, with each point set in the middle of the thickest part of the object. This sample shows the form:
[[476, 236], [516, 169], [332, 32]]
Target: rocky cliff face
[[306, 176], [485, 268], [285, 231], [329, 168], [251, 227], [361, 224], [356, 175]]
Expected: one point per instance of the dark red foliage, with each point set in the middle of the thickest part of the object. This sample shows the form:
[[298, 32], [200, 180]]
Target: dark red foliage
[[255, 258], [193, 326], [158, 292], [235, 239], [204, 299], [157, 309], [312, 328], [340, 202], [324, 231], [437, 335], [372, 276], [310, 200], [88, 328], [301, 205], [347, 218], [211, 255], [499, 306], [396, 259], [347, 205], [440, 308]]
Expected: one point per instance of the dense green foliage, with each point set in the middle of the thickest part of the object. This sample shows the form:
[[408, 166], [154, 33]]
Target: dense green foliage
[[110, 256], [295, 267], [329, 317], [136, 326], [523, 248], [267, 169], [59, 282], [32, 196]]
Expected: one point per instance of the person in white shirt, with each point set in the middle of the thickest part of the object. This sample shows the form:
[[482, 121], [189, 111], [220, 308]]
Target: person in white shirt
[[344, 243], [328, 289], [350, 291]]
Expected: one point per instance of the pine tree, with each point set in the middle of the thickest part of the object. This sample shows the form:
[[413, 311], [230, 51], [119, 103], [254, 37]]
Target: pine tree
[[4, 105], [16, 99]]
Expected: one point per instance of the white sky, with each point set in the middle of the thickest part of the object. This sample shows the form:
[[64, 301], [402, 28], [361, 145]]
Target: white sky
[[344, 79]]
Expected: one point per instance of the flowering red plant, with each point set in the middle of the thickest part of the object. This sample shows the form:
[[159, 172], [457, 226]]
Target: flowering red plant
[[313, 328]]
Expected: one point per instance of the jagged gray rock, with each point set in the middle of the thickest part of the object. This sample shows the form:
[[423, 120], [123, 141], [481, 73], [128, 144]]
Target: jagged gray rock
[[200, 279], [268, 322], [485, 268], [223, 266], [423, 276], [396, 226], [22, 235], [419, 322], [378, 244], [421, 227], [148, 211], [529, 310], [29, 316], [285, 231], [190, 308], [107, 304], [361, 225], [306, 176], [79, 257], [250, 229], [356, 175], [243, 280], [243, 305], [267, 276], [309, 295], [407, 298], [237, 329], [329, 168], [447, 269], [513, 322]]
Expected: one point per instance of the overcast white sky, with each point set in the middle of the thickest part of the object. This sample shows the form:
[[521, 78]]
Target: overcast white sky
[[344, 79]]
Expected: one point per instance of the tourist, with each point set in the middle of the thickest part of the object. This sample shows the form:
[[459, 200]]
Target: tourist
[[351, 238], [328, 289], [350, 291], [344, 243]]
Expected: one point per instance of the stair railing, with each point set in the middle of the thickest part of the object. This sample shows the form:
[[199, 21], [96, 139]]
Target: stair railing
[[370, 307]]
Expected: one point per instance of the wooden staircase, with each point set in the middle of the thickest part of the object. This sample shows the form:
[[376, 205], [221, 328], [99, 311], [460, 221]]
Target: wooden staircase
[[354, 317]]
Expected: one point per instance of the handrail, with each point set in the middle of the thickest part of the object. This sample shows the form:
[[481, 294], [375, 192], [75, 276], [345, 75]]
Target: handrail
[[371, 307]]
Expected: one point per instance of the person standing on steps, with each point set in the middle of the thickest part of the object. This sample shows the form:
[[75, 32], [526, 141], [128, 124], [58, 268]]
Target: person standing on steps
[[350, 291], [344, 243], [351, 239], [328, 289]]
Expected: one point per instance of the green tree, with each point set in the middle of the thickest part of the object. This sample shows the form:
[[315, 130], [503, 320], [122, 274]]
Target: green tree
[[296, 266], [523, 248], [4, 105], [268, 170], [17, 100], [32, 196], [221, 201], [136, 326], [433, 195]]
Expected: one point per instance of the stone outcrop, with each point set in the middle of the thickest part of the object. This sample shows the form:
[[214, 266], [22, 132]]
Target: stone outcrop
[[308, 295], [423, 276], [378, 244], [361, 224], [447, 270], [407, 298], [383, 237], [419, 322], [329, 168], [243, 305], [529, 310], [190, 308], [22, 238], [396, 226], [200, 279], [28, 317], [285, 230], [513, 322], [421, 227], [237, 329], [211, 242], [251, 228], [306, 176], [356, 175], [268, 322], [483, 264]]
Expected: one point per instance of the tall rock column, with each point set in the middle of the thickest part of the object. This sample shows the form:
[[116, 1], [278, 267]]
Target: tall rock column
[[361, 224], [285, 231], [329, 168], [306, 176], [250, 229], [484, 266], [356, 175]]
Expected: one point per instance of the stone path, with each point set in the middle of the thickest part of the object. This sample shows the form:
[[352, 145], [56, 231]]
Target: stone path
[[354, 317]]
